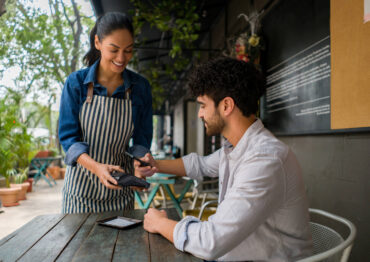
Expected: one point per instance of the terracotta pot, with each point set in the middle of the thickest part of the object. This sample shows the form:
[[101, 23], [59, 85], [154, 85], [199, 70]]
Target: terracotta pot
[[9, 196], [22, 194], [54, 171], [45, 153], [30, 181], [62, 172]]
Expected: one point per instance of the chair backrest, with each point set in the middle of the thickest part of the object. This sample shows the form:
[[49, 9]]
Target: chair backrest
[[204, 191], [328, 244], [203, 211]]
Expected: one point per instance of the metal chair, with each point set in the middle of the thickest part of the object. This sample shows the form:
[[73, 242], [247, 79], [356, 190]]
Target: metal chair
[[203, 209], [41, 165], [204, 191], [328, 244]]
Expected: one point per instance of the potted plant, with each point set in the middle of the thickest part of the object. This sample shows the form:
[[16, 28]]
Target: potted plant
[[20, 182], [44, 153], [54, 168], [62, 172], [248, 45], [9, 196], [23, 150], [29, 180], [54, 171], [7, 122]]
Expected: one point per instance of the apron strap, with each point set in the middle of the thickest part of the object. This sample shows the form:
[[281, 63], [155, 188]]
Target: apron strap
[[128, 93], [90, 92]]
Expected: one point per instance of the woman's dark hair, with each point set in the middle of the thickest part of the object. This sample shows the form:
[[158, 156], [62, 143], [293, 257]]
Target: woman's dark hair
[[228, 77], [104, 26]]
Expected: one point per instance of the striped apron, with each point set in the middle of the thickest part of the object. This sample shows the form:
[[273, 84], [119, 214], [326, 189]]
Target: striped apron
[[107, 127]]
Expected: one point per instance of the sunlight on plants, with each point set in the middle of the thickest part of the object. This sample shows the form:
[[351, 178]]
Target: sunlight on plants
[[42, 47]]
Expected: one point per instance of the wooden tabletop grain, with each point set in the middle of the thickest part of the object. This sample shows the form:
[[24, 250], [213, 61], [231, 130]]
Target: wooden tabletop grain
[[77, 237]]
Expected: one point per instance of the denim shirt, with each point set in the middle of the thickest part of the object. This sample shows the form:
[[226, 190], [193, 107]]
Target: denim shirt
[[74, 95]]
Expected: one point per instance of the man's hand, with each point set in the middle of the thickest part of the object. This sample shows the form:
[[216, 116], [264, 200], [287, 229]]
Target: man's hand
[[152, 219], [102, 171], [145, 171], [156, 221]]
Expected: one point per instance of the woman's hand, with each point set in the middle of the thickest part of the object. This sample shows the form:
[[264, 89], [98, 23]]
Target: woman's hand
[[103, 172], [145, 171]]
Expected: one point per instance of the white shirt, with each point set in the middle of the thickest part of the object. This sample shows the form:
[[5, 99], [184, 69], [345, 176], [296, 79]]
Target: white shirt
[[263, 214]]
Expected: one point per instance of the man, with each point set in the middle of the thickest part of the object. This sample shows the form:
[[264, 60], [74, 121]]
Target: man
[[262, 213]]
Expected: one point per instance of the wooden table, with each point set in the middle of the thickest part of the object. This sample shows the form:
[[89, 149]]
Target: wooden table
[[76, 237]]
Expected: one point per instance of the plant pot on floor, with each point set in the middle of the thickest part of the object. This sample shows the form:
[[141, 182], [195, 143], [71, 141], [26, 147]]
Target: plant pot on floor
[[44, 153], [9, 196], [54, 172], [22, 194], [62, 172], [29, 181]]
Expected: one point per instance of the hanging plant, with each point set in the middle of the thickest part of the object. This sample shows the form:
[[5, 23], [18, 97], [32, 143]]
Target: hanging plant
[[176, 19], [248, 45]]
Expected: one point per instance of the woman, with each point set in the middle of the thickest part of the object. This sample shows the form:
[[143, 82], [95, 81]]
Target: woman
[[102, 107]]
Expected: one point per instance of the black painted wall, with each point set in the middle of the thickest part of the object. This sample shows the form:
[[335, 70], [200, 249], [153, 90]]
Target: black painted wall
[[336, 171]]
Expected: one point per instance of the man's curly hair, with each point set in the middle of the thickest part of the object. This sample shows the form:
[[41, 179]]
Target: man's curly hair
[[228, 77]]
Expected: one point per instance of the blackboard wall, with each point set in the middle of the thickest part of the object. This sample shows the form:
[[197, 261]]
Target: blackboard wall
[[336, 170], [297, 65]]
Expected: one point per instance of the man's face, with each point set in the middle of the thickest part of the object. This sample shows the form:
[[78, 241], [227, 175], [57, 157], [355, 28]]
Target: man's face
[[210, 116]]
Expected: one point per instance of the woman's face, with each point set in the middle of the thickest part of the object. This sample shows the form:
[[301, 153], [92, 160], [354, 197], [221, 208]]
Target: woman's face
[[116, 50]]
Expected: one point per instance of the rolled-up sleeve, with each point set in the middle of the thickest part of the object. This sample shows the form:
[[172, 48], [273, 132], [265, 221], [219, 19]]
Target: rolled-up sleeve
[[197, 166], [70, 134], [180, 234], [257, 190], [75, 151]]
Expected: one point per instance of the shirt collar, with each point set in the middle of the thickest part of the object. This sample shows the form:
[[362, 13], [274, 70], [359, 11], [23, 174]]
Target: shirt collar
[[244, 141], [91, 74], [91, 78], [127, 79]]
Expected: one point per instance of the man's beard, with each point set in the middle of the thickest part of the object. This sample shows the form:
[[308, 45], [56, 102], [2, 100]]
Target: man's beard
[[215, 125]]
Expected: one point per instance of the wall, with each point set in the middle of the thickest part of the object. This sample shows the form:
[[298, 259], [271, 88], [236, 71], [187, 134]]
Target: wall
[[188, 128], [200, 134], [336, 170], [349, 95], [191, 127], [178, 125]]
